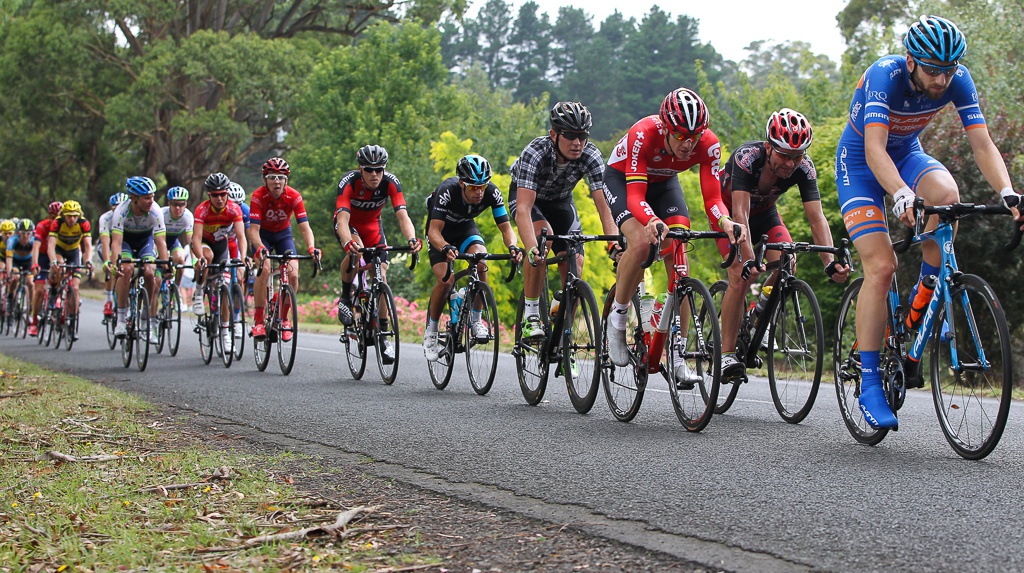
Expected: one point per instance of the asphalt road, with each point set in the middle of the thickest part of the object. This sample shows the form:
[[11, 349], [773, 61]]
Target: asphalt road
[[750, 493]]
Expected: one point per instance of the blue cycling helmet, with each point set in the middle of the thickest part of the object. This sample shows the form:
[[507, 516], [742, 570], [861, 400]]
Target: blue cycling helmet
[[177, 194], [935, 38], [118, 198], [139, 186], [473, 170]]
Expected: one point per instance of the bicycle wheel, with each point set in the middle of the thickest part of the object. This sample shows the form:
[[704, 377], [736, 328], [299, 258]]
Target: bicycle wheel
[[24, 313], [46, 324], [728, 389], [287, 338], [531, 357], [699, 343], [261, 348], [387, 337], [847, 368], [238, 319], [206, 327], [972, 393], [58, 317], [127, 343], [624, 385], [72, 311], [226, 334], [142, 329], [581, 348], [482, 342], [171, 321], [440, 370], [354, 339], [797, 352], [161, 308]]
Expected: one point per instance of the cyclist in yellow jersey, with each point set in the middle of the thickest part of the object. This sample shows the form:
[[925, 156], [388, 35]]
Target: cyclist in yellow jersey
[[6, 232], [69, 241]]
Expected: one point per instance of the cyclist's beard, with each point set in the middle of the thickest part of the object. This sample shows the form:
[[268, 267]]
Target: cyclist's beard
[[922, 89]]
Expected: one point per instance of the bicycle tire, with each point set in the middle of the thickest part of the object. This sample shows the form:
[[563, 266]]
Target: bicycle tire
[[440, 370], [111, 323], [205, 328], [624, 385], [238, 318], [226, 336], [972, 405], [482, 353], [581, 347], [143, 327], [161, 339], [45, 323], [261, 348], [58, 317], [172, 319], [797, 352], [71, 322], [531, 357], [127, 344], [695, 406], [728, 389], [286, 348], [847, 369], [386, 300], [24, 313], [354, 339]]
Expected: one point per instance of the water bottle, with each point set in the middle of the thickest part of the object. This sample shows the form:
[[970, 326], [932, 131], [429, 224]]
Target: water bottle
[[556, 302], [646, 311], [659, 305], [925, 289], [455, 302], [762, 301]]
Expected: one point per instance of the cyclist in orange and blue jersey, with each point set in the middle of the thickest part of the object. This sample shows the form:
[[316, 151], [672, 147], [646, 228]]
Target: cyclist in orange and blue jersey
[[879, 154]]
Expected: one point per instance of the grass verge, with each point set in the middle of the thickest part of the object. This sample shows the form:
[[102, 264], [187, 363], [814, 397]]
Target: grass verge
[[91, 480]]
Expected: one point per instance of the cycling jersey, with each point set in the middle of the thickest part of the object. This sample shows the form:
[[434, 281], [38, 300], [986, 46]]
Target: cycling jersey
[[125, 222], [19, 253], [537, 169], [743, 173], [363, 204], [3, 248], [273, 215], [641, 155], [217, 226], [69, 237], [106, 220], [446, 203], [245, 214], [176, 228]]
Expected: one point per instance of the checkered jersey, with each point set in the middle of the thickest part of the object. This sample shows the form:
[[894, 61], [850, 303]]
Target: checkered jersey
[[536, 169]]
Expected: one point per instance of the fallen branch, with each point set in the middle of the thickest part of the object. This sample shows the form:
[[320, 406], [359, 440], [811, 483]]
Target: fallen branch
[[174, 486], [72, 459], [402, 569], [30, 391], [343, 519]]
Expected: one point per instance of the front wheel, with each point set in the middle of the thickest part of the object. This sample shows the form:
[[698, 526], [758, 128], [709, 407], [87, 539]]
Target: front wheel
[[695, 347], [847, 368], [729, 388], [287, 338], [171, 323], [142, 329], [261, 350], [238, 319], [972, 389], [206, 328], [481, 338], [72, 311], [440, 370], [581, 348], [387, 343], [797, 352], [531, 357], [354, 339], [624, 385], [227, 332]]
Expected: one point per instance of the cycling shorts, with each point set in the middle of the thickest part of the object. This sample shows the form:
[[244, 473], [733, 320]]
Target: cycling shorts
[[72, 257], [278, 242], [220, 249], [764, 223], [44, 268], [138, 247], [174, 242], [371, 234], [664, 197], [462, 235], [561, 216]]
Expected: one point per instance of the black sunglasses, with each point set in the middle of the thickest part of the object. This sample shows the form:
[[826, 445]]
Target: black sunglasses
[[575, 135], [374, 169]]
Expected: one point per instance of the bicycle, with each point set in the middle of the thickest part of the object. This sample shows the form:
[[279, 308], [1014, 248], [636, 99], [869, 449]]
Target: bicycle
[[110, 322], [367, 328], [791, 319], [700, 344], [456, 335], [65, 321], [971, 366], [216, 334], [572, 335], [137, 321], [5, 302], [20, 305], [169, 315], [280, 298]]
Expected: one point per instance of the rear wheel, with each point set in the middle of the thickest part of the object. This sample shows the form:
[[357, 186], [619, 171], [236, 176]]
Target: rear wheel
[[581, 348], [238, 319], [531, 357], [142, 329], [261, 349], [387, 337], [58, 316], [172, 319], [71, 319], [287, 338], [972, 395], [482, 346], [624, 385], [23, 314], [728, 389], [847, 368], [127, 342], [698, 345], [354, 339], [226, 334], [160, 312], [797, 352], [440, 370]]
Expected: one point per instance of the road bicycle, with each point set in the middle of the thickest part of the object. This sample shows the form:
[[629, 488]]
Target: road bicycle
[[138, 320], [20, 304], [169, 314], [456, 336], [369, 326], [970, 361], [572, 335], [5, 303], [280, 300], [66, 307], [214, 326], [699, 343], [789, 330]]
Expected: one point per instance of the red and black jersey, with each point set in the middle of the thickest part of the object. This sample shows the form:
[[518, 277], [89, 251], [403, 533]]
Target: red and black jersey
[[743, 173], [364, 205]]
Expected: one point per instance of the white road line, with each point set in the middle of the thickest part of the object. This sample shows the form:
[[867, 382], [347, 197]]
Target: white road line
[[318, 350]]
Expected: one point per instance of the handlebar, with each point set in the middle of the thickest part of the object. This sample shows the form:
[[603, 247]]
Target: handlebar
[[475, 258], [386, 248], [949, 214], [688, 235], [293, 256], [543, 238]]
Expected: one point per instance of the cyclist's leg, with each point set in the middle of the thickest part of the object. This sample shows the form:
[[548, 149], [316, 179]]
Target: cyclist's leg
[[930, 180]]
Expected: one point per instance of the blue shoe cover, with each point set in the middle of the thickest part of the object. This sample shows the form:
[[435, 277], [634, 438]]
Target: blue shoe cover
[[876, 409]]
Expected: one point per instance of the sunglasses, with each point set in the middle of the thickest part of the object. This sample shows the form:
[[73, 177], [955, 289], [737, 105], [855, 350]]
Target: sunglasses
[[791, 156], [218, 194], [475, 187], [373, 169], [692, 137], [179, 203], [575, 135], [936, 71], [276, 178]]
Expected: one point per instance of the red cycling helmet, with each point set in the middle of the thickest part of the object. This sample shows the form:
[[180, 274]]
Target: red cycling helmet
[[683, 111], [276, 165], [789, 130], [54, 208]]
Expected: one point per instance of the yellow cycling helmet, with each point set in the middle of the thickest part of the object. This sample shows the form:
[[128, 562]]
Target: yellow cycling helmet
[[71, 208], [7, 227]]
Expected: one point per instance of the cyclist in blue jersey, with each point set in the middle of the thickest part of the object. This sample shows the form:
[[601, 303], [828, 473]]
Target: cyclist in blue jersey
[[879, 153]]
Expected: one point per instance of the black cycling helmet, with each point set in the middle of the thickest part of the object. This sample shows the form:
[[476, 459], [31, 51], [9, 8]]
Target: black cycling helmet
[[374, 155], [571, 116], [473, 170], [217, 182]]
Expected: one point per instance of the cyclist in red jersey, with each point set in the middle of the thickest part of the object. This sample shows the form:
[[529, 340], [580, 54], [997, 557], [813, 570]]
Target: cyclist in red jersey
[[643, 191], [215, 221], [361, 197], [41, 263], [270, 229]]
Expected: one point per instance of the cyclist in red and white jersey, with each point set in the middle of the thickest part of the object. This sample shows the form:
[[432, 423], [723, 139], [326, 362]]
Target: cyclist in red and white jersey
[[215, 221], [643, 191], [270, 230]]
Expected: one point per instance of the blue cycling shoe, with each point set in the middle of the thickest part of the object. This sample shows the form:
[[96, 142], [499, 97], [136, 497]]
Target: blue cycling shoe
[[876, 409]]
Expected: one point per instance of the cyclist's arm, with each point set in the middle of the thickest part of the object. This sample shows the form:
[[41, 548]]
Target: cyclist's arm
[[104, 246], [882, 167], [160, 238], [342, 227], [434, 236], [405, 224], [508, 234], [254, 235], [197, 240], [741, 216], [820, 230], [243, 245], [51, 247], [116, 239], [525, 199], [989, 160], [307, 234], [605, 212]]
